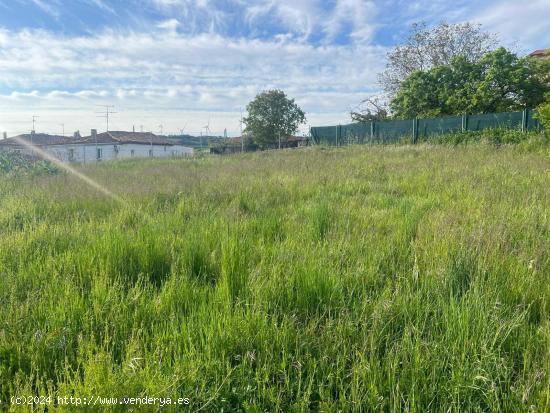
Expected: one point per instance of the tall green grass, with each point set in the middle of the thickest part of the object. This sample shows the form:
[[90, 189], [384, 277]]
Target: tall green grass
[[352, 279]]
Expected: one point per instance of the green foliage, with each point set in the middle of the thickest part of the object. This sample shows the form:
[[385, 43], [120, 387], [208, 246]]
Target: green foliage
[[13, 163], [272, 115], [499, 82], [393, 279], [497, 137], [543, 114]]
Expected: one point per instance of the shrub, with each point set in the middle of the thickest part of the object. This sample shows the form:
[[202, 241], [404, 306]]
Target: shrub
[[543, 114], [13, 163]]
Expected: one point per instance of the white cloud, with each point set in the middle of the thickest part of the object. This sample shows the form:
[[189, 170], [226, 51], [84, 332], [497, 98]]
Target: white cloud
[[49, 7], [206, 75], [359, 15], [170, 25], [523, 24]]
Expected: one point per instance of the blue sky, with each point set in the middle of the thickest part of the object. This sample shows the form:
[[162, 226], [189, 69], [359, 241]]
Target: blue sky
[[184, 63]]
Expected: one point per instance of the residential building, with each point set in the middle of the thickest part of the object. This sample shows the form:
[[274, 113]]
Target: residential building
[[541, 54], [97, 147]]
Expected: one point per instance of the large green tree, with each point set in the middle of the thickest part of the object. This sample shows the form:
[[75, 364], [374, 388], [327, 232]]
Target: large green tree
[[500, 81], [272, 116], [428, 47]]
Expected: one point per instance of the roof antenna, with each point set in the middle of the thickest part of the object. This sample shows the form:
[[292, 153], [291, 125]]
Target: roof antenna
[[34, 118], [105, 114]]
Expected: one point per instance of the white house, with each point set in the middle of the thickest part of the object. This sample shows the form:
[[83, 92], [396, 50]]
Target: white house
[[96, 147]]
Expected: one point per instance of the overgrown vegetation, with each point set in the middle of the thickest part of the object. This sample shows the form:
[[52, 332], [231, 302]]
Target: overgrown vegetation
[[397, 278], [16, 164], [499, 82], [494, 137], [543, 114], [454, 69]]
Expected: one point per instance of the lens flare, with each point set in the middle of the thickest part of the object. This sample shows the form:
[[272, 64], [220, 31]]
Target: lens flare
[[62, 165]]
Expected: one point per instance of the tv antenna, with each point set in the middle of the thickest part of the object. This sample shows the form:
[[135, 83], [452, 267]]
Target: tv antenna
[[34, 118], [106, 113]]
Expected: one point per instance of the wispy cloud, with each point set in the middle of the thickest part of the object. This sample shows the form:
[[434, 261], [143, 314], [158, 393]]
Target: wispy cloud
[[206, 72], [167, 59], [50, 7]]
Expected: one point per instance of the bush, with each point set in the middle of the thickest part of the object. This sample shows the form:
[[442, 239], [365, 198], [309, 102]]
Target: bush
[[13, 163], [498, 136], [543, 114]]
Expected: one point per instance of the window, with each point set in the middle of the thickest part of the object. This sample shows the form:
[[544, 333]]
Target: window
[[71, 154], [99, 154]]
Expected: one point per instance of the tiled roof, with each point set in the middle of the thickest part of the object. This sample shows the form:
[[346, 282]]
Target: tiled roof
[[36, 139], [540, 52], [126, 137]]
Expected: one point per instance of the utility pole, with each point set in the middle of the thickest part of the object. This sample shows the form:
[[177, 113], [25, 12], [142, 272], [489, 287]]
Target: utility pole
[[141, 128], [160, 127], [241, 128], [63, 126], [106, 113]]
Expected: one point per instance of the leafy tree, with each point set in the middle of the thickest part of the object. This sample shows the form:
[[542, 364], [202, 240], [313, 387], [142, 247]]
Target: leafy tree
[[500, 81], [543, 114], [272, 115], [426, 48]]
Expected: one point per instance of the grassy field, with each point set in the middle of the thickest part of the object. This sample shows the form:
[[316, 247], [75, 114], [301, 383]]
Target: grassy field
[[396, 279]]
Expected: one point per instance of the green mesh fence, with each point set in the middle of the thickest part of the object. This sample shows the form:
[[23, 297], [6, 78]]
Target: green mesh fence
[[413, 129]]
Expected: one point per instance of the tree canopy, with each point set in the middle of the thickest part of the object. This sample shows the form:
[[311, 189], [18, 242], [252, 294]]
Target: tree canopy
[[500, 81], [426, 48], [272, 115]]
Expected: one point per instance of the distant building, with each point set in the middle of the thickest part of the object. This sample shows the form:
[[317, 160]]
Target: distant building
[[541, 54], [96, 147]]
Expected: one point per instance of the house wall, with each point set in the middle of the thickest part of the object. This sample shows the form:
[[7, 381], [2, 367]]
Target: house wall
[[88, 153]]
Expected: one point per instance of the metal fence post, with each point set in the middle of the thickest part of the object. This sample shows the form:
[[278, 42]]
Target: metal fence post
[[371, 130], [464, 122], [415, 130], [524, 118]]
